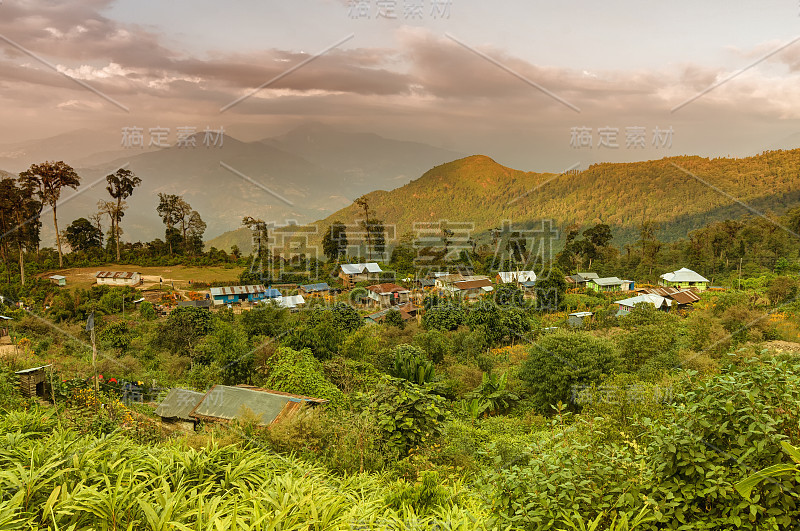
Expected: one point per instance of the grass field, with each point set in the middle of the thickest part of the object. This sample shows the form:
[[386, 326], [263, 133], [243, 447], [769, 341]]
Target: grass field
[[83, 277]]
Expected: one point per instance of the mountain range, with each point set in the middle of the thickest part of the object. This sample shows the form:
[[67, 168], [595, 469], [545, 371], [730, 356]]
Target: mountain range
[[303, 175], [679, 193]]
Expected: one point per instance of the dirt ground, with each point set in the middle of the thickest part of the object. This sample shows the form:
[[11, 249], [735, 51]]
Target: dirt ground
[[181, 276], [783, 346]]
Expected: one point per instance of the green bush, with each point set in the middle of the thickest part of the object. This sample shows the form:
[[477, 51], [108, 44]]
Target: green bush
[[408, 415], [561, 362], [722, 430], [299, 372]]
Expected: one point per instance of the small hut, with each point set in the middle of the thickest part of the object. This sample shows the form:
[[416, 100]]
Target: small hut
[[177, 405], [33, 382]]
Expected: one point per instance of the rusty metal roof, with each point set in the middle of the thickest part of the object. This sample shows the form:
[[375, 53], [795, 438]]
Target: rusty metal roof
[[115, 274], [472, 284], [387, 287], [238, 290]]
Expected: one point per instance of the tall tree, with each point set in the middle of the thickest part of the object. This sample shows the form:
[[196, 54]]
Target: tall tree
[[260, 233], [19, 218], [363, 203], [170, 210], [195, 227], [120, 187], [334, 242], [83, 236], [48, 178]]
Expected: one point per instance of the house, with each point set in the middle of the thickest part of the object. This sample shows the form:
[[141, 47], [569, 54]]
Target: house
[[387, 294], [4, 325], [33, 382], [579, 319], [659, 302], [354, 273], [682, 297], [224, 403], [407, 313], [445, 282], [609, 284], [449, 283], [238, 294], [290, 301], [684, 278], [425, 283], [59, 280], [520, 277], [319, 289], [580, 279], [177, 405], [118, 278], [472, 289]]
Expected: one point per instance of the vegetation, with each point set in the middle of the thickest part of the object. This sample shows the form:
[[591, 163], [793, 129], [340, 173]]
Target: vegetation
[[491, 413]]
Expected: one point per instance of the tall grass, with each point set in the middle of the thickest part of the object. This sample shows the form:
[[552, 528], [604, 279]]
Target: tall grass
[[58, 479]]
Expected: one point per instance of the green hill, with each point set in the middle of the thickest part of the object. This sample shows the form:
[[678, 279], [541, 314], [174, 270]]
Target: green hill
[[477, 189], [480, 190]]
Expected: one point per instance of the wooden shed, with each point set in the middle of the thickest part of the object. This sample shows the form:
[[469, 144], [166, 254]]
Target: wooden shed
[[33, 382]]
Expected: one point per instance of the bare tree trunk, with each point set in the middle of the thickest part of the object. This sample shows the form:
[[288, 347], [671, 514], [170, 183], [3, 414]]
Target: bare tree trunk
[[116, 225], [58, 238], [21, 266]]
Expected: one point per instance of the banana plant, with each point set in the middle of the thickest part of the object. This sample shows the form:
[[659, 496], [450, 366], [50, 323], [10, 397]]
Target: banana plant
[[746, 486]]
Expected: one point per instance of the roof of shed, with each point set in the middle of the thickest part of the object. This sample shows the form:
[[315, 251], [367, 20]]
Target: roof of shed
[[179, 403]]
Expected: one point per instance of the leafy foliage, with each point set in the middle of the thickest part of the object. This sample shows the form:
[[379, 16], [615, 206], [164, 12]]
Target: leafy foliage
[[562, 362]]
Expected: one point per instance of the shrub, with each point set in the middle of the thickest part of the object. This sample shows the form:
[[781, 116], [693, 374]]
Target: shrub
[[407, 414], [299, 372], [561, 362]]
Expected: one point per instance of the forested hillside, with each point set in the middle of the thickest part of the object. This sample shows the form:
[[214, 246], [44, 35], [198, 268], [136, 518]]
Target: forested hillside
[[680, 193]]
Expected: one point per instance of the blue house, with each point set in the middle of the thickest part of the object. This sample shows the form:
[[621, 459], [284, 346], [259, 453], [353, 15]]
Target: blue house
[[239, 294]]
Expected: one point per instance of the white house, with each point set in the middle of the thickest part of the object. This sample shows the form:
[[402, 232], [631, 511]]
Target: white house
[[119, 278], [506, 277], [352, 273], [684, 278], [660, 303]]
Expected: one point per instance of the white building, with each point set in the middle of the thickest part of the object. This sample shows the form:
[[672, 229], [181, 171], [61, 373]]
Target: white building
[[118, 278]]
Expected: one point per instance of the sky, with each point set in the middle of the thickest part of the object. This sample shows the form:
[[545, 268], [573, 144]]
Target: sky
[[540, 86]]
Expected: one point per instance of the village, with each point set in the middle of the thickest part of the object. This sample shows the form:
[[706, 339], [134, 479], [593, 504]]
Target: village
[[182, 408]]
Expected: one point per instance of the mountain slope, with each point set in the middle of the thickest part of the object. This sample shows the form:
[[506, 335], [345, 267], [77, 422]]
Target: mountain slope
[[363, 158], [681, 193]]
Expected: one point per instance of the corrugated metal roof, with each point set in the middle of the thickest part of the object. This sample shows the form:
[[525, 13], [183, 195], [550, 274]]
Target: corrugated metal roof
[[179, 403], [115, 274], [319, 286], [223, 402], [656, 300], [472, 284], [581, 314], [387, 287], [685, 297], [608, 281], [33, 369], [684, 275], [57, 277], [290, 301], [239, 290], [357, 269], [588, 275]]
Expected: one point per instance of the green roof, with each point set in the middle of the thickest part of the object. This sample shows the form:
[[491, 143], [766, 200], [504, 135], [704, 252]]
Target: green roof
[[227, 403], [179, 403]]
